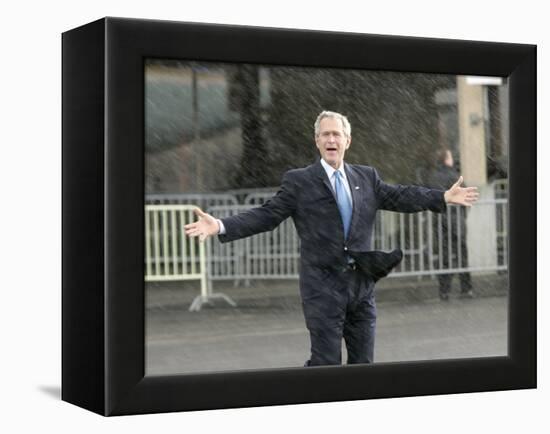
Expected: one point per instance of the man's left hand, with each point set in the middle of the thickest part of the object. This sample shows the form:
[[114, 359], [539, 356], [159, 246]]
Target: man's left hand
[[458, 195]]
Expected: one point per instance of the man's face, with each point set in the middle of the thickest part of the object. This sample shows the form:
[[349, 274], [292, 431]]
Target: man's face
[[332, 141], [449, 159]]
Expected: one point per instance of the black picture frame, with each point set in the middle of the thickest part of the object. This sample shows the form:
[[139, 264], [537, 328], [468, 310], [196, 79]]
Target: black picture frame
[[103, 200]]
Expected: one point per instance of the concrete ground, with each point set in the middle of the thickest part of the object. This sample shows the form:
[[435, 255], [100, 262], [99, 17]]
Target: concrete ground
[[267, 330]]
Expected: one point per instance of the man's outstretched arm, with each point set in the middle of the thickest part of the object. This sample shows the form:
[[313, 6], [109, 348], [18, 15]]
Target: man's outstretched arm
[[412, 198], [247, 223]]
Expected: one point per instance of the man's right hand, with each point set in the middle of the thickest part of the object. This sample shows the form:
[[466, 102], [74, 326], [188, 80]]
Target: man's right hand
[[205, 227]]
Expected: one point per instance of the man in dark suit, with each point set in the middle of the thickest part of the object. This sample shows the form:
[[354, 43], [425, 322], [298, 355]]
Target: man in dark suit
[[333, 205]]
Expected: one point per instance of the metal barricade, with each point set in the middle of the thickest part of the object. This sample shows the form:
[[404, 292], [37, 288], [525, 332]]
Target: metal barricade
[[171, 255], [451, 242], [454, 242], [501, 188], [274, 254], [202, 200], [431, 243], [226, 260], [243, 195], [258, 198]]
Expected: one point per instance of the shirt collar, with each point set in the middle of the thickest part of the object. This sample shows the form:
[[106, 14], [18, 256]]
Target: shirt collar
[[330, 170]]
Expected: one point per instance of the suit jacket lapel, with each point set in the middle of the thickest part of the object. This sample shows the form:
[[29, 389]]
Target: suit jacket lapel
[[356, 194], [322, 175]]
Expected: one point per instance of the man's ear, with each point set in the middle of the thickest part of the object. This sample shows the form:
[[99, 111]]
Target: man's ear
[[349, 142]]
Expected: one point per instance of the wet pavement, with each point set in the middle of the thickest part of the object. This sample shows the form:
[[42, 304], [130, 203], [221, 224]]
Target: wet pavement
[[267, 330]]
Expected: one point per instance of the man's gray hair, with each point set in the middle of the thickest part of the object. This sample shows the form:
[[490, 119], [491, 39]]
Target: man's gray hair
[[335, 115]]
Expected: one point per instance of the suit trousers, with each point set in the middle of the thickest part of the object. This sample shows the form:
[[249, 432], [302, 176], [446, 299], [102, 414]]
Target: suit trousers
[[453, 245], [347, 311]]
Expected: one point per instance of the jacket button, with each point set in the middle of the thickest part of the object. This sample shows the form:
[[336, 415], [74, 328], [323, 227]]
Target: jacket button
[[346, 248]]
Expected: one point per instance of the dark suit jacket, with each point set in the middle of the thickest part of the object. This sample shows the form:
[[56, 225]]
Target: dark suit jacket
[[306, 195]]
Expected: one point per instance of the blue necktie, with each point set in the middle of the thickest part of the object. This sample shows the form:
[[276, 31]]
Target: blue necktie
[[344, 203]]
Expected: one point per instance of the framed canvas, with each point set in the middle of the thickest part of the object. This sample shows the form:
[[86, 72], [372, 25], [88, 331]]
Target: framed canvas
[[124, 84]]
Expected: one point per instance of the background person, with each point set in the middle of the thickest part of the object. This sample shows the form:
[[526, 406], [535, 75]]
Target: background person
[[442, 177]]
